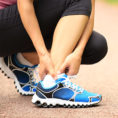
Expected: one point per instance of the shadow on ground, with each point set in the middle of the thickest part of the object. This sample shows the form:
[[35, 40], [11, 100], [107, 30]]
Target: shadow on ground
[[100, 78]]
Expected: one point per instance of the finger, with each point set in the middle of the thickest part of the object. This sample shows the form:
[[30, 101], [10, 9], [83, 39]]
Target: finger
[[63, 68], [42, 74], [66, 70], [53, 75], [52, 72], [71, 72]]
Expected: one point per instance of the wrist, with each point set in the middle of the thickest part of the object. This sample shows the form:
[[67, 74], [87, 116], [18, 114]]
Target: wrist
[[42, 53], [78, 53]]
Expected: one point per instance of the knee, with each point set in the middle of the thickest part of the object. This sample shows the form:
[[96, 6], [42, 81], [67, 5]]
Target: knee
[[100, 48]]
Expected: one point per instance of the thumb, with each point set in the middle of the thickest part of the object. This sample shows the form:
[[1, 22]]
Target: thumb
[[70, 72], [51, 71]]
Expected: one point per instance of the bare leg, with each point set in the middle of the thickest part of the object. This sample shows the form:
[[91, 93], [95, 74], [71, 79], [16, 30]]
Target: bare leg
[[66, 36], [32, 57]]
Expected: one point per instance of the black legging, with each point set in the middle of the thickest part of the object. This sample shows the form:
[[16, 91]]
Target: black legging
[[14, 39]]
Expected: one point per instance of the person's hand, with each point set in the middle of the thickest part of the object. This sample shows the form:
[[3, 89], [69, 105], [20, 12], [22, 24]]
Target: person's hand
[[71, 65], [46, 67]]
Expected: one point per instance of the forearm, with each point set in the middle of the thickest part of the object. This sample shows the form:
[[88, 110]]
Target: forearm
[[86, 34], [30, 22], [84, 38]]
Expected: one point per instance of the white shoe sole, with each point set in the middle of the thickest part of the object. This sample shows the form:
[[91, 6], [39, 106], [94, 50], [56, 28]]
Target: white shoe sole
[[9, 74], [53, 102]]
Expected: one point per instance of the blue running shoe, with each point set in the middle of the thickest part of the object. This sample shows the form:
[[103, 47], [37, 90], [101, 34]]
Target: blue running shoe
[[22, 74], [64, 93]]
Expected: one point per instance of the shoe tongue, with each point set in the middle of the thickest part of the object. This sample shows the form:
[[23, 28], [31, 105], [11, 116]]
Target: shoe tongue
[[48, 81], [62, 77]]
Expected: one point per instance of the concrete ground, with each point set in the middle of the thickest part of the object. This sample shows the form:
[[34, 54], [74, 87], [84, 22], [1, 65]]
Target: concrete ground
[[100, 78]]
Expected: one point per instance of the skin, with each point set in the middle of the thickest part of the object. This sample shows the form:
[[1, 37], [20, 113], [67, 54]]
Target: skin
[[72, 36], [73, 61], [67, 34], [32, 57]]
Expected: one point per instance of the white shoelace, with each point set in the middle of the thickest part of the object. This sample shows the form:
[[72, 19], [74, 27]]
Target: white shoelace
[[72, 77], [32, 79], [75, 87]]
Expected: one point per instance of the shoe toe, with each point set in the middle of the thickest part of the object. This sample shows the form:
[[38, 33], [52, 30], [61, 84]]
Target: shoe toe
[[97, 98], [88, 97]]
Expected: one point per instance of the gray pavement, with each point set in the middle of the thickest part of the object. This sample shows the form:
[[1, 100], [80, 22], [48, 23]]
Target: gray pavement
[[99, 78]]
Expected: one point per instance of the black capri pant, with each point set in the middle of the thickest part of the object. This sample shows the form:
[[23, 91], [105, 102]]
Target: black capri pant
[[14, 38]]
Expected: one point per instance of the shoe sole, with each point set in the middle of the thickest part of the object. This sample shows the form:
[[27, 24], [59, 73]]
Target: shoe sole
[[52, 102], [9, 74]]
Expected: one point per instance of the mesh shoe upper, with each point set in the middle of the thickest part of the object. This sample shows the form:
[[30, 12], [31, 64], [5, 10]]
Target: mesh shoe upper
[[23, 73], [66, 90]]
